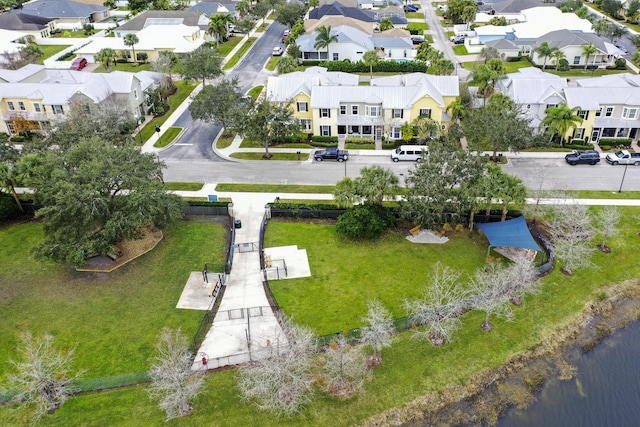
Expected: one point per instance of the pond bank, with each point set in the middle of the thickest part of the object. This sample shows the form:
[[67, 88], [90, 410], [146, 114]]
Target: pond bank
[[488, 393]]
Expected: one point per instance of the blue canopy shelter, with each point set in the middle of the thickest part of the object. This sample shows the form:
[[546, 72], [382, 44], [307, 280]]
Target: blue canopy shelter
[[512, 233]]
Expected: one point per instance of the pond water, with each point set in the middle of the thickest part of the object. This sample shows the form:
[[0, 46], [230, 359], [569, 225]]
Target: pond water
[[605, 392]]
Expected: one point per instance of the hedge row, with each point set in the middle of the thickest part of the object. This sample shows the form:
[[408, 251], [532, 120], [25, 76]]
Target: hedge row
[[347, 66]]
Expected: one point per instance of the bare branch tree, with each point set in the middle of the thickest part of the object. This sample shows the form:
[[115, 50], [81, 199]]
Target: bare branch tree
[[174, 383], [608, 219], [343, 369], [42, 379], [490, 289], [282, 381], [570, 229], [379, 330], [440, 308]]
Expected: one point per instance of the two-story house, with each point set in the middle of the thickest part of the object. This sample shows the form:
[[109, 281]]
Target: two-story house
[[533, 91], [609, 106], [43, 97], [339, 106]]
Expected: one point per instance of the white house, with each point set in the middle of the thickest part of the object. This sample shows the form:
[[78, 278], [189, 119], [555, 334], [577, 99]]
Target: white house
[[353, 43]]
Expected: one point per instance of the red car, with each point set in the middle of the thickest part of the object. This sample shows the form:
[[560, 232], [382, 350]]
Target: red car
[[78, 64]]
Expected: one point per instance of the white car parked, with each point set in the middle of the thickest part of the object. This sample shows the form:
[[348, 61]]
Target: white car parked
[[277, 51]]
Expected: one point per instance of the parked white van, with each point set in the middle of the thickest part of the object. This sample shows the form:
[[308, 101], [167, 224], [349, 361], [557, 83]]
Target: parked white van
[[413, 153]]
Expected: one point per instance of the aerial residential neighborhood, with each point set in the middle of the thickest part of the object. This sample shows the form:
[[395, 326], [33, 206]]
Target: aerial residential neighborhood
[[311, 213]]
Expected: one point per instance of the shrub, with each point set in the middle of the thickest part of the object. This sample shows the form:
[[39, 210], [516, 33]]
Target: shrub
[[611, 141], [7, 206], [311, 62], [359, 140], [381, 66], [366, 221], [563, 65], [325, 139]]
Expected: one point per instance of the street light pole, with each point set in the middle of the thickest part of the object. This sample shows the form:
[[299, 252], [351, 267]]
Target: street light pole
[[623, 175]]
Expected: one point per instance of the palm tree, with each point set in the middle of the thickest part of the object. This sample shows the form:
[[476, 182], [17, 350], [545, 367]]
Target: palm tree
[[370, 58], [287, 64], [106, 56], [544, 50], [456, 109], [469, 14], [488, 53], [561, 119], [130, 40], [243, 7], [314, 3], [219, 26], [324, 39], [386, 24], [588, 50], [511, 190], [600, 26], [556, 56], [443, 67], [8, 181]]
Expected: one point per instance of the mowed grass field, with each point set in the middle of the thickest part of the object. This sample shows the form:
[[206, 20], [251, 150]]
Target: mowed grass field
[[344, 276], [112, 319]]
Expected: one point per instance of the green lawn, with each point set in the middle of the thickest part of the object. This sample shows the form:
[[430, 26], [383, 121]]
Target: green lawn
[[184, 186], [345, 275], [273, 63], [276, 188], [131, 67], [225, 48], [262, 27], [414, 15], [167, 137], [240, 53], [254, 92], [113, 318], [274, 156], [460, 49], [225, 140], [417, 26], [49, 50], [184, 89]]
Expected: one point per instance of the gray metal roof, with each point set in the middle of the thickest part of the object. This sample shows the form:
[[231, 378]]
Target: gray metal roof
[[398, 42], [436, 86], [387, 96], [61, 9], [283, 88], [564, 38], [592, 98], [532, 86], [15, 76], [611, 80]]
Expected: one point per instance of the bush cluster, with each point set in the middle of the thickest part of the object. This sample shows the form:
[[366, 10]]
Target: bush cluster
[[7, 206], [366, 221], [347, 66], [319, 139]]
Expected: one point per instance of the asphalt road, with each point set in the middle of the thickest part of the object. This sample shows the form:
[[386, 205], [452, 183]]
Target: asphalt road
[[558, 175], [196, 141]]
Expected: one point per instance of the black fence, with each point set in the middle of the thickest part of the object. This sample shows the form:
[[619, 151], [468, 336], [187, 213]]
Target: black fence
[[206, 210], [307, 213]]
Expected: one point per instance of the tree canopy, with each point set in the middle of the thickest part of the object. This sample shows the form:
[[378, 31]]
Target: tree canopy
[[95, 194], [219, 103], [202, 64]]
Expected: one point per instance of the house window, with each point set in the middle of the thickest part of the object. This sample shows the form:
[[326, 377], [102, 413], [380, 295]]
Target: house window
[[372, 111], [366, 130], [21, 106], [354, 110], [579, 133], [354, 130], [583, 114], [425, 112], [396, 133], [551, 106], [305, 124], [57, 109], [135, 93], [608, 112], [397, 113], [302, 106], [325, 112], [630, 113], [11, 106], [343, 110], [598, 112], [336, 57], [325, 130], [576, 60], [36, 107]]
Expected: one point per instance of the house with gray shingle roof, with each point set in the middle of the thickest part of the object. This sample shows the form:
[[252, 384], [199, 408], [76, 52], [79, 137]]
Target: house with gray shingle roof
[[354, 12], [37, 26], [353, 43], [67, 14], [163, 17]]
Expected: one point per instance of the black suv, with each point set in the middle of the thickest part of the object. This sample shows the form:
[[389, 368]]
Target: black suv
[[583, 157]]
